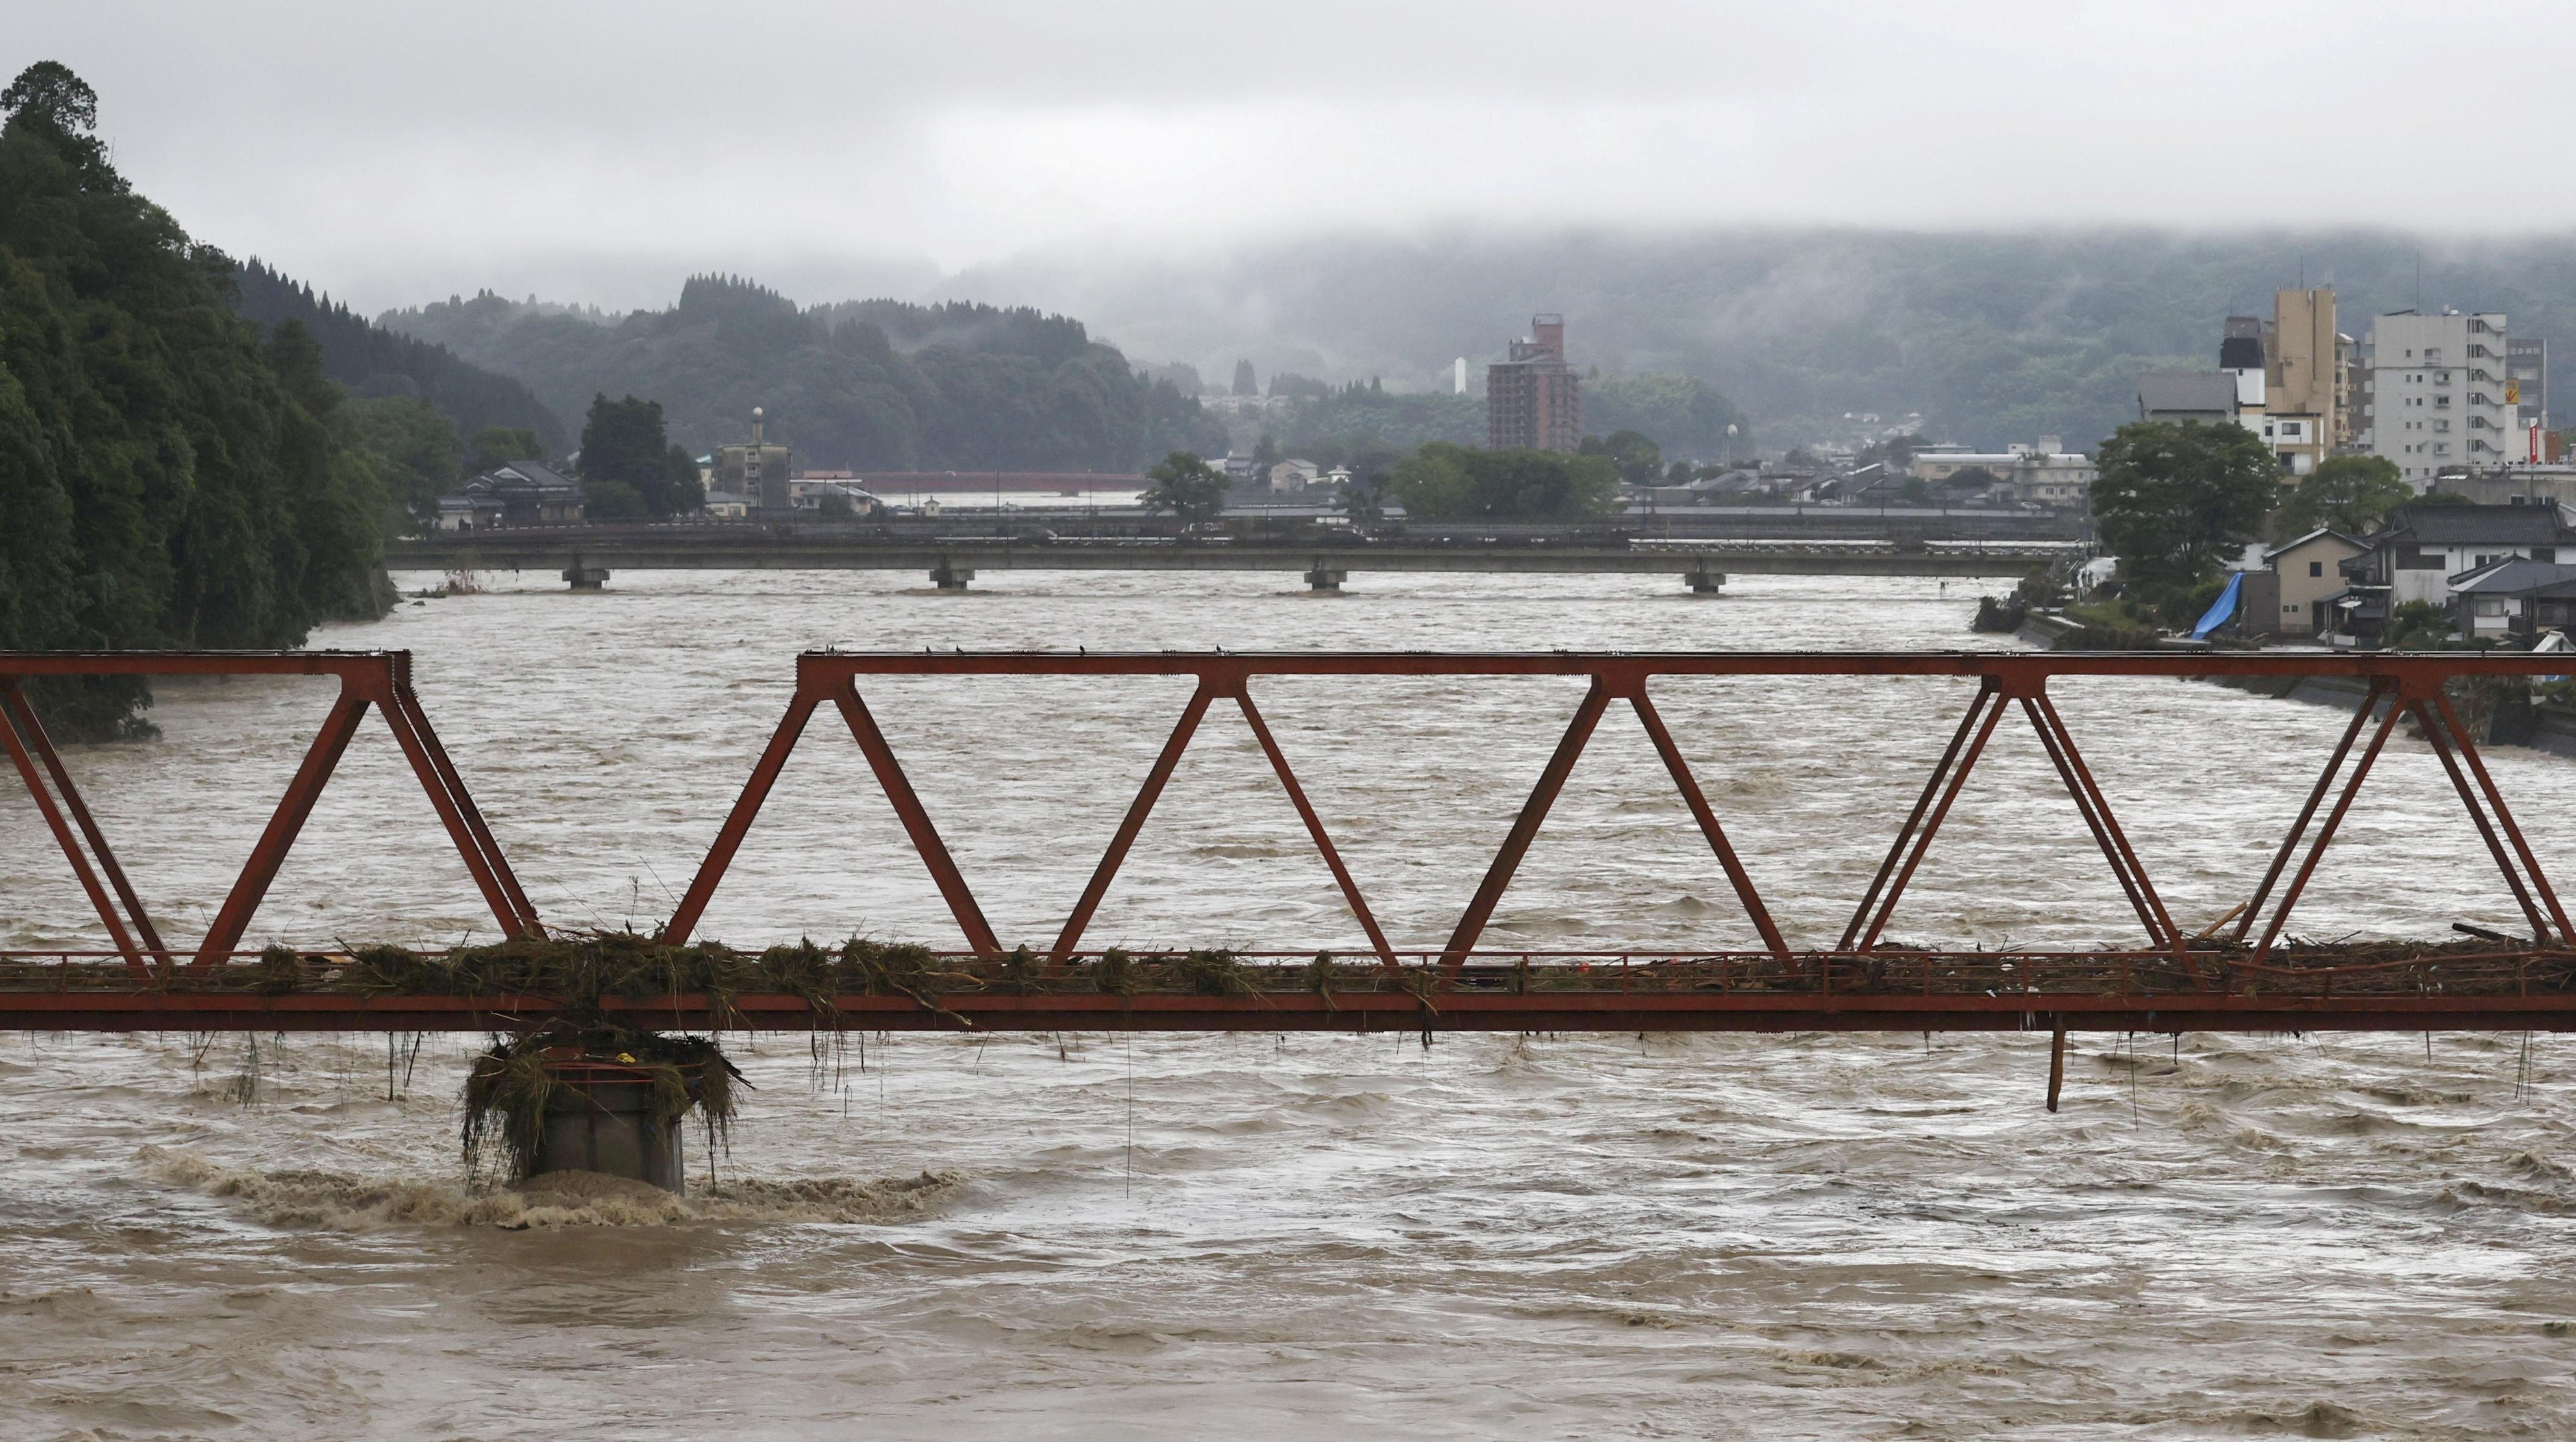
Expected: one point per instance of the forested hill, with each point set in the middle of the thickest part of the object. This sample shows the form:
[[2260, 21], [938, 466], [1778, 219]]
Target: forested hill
[[167, 477], [374, 362], [862, 384]]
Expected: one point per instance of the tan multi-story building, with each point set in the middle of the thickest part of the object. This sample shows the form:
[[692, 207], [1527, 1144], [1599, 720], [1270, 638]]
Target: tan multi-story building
[[2303, 380], [1532, 398], [757, 472]]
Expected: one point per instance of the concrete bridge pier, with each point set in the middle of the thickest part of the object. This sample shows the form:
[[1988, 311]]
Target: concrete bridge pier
[[950, 578], [1705, 582], [600, 1119], [585, 578], [1325, 580]]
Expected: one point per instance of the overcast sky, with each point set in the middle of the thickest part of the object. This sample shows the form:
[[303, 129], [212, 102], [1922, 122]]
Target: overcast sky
[[597, 152]]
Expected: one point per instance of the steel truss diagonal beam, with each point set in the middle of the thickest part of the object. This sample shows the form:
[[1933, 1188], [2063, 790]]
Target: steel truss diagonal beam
[[378, 678], [2421, 697], [1950, 776], [29, 747]]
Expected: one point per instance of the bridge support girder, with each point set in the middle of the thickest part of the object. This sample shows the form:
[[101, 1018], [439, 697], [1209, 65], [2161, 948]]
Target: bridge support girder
[[1326, 579], [1704, 581], [950, 578]]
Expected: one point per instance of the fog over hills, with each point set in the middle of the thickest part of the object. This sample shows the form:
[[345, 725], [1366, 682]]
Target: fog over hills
[[1992, 336]]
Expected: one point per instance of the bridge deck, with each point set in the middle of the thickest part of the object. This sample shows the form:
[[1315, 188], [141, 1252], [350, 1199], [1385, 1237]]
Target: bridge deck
[[2466, 986], [542, 551]]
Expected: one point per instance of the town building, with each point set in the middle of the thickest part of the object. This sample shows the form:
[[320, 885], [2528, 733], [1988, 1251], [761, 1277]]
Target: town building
[[2045, 474], [2438, 387], [1293, 476], [833, 492], [2208, 397], [2287, 379], [1532, 397], [727, 506], [2304, 379], [757, 470], [521, 493], [2526, 383], [2513, 601], [2424, 549], [2553, 480], [2305, 574]]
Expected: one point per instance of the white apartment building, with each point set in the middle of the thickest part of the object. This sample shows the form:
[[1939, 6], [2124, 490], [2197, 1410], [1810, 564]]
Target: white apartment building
[[2437, 394]]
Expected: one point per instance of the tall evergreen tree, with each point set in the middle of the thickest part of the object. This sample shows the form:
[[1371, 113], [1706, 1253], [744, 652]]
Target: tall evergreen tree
[[629, 466], [166, 479]]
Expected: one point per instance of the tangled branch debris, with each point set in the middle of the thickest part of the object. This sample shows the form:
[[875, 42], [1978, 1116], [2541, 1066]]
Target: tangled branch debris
[[512, 1086]]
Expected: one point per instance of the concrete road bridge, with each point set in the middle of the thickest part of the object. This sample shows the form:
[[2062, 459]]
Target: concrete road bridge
[[586, 557]]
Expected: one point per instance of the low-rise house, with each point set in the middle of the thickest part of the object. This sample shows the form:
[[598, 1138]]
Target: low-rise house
[[521, 493], [728, 506], [1291, 477], [2513, 600], [2305, 573], [810, 492], [2424, 548]]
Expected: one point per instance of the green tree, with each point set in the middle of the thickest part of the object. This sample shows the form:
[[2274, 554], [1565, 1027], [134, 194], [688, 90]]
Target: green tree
[[1363, 498], [1969, 478], [1187, 486], [1915, 492], [57, 108], [167, 478], [1896, 451], [415, 452], [2351, 494], [497, 446], [1636, 455], [1445, 482], [2176, 500], [624, 444], [1244, 382], [2417, 626], [1685, 415]]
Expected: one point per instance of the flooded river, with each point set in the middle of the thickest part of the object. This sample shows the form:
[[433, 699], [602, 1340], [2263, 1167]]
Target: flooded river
[[1086, 1236]]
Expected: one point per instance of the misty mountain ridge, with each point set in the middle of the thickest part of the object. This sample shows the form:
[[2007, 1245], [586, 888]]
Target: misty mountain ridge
[[371, 361], [1994, 337]]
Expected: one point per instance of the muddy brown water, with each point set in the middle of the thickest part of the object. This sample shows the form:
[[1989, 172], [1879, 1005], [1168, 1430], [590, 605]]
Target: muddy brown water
[[1798, 1236]]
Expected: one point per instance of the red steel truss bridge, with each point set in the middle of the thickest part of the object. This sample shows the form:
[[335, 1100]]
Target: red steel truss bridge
[[2246, 974]]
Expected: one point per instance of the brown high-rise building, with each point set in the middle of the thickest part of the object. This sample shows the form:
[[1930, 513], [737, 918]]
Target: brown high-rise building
[[1531, 399]]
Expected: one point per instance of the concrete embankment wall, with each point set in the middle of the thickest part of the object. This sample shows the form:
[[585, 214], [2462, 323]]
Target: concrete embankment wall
[[2541, 728]]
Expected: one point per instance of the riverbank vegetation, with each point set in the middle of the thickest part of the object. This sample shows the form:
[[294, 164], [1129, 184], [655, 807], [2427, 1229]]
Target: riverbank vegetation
[[1441, 481], [168, 478]]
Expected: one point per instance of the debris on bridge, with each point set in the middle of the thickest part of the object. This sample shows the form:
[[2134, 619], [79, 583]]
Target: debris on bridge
[[608, 985]]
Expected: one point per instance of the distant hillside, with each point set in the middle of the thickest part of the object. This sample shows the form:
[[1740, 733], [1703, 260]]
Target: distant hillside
[[1993, 337], [878, 383], [372, 361]]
